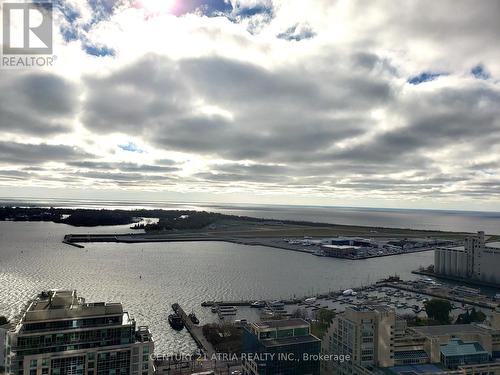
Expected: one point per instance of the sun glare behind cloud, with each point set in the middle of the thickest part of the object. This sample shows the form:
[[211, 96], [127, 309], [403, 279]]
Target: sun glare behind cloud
[[156, 6]]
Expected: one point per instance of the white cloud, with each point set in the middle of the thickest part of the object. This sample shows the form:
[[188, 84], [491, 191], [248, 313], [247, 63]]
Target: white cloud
[[241, 108]]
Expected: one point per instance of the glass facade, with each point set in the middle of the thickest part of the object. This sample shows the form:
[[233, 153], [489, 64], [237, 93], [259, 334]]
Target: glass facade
[[287, 351], [58, 341]]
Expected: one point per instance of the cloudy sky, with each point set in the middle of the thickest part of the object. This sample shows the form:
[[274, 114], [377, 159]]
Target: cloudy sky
[[331, 102]]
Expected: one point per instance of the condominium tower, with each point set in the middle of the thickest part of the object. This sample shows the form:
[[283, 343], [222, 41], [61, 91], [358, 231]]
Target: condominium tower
[[60, 334]]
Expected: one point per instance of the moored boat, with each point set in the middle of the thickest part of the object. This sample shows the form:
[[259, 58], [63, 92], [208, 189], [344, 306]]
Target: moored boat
[[258, 304], [175, 321], [194, 318]]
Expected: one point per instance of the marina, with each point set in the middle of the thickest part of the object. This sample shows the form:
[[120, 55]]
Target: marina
[[407, 297], [138, 274]]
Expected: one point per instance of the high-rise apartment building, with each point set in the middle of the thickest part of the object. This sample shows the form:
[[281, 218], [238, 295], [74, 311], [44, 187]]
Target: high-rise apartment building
[[60, 334], [364, 335]]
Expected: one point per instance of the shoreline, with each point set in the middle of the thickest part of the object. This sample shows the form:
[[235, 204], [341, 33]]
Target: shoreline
[[471, 282], [77, 239]]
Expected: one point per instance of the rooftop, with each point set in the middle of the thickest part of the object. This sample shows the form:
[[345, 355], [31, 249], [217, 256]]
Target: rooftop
[[456, 248], [413, 370], [65, 304], [452, 329], [294, 340], [295, 323], [342, 247], [459, 348]]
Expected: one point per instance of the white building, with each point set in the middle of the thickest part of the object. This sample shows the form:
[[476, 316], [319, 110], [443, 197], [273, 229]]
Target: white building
[[475, 260]]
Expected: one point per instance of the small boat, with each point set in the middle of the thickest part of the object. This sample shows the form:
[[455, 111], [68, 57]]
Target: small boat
[[175, 321], [214, 308], [223, 311], [277, 306], [310, 300], [226, 313], [194, 318], [227, 308], [258, 304]]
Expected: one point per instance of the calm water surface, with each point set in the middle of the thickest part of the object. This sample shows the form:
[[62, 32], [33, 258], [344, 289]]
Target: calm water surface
[[445, 220], [32, 258]]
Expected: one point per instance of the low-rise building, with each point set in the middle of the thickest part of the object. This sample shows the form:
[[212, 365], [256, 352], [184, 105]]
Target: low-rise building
[[379, 342], [60, 334], [280, 347]]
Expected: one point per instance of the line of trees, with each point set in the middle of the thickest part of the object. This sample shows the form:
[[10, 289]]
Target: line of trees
[[439, 310]]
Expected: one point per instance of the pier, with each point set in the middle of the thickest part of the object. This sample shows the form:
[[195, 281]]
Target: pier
[[418, 288], [195, 331], [445, 292], [245, 303], [73, 244], [135, 238]]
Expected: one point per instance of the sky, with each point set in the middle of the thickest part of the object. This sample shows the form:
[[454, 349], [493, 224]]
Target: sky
[[322, 102]]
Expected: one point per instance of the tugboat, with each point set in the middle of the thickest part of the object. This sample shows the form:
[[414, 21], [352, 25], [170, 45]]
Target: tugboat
[[175, 321], [193, 318]]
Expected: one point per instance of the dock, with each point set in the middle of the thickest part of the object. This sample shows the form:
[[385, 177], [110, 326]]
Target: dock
[[245, 303], [137, 238], [444, 293], [195, 331]]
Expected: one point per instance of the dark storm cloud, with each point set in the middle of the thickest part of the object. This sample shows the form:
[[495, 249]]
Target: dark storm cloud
[[235, 177], [457, 26], [274, 114], [37, 104], [434, 121], [25, 153], [123, 177], [124, 167], [135, 99], [14, 175], [361, 115]]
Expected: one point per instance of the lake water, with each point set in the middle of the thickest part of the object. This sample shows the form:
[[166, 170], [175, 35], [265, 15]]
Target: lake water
[[32, 258], [446, 220]]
